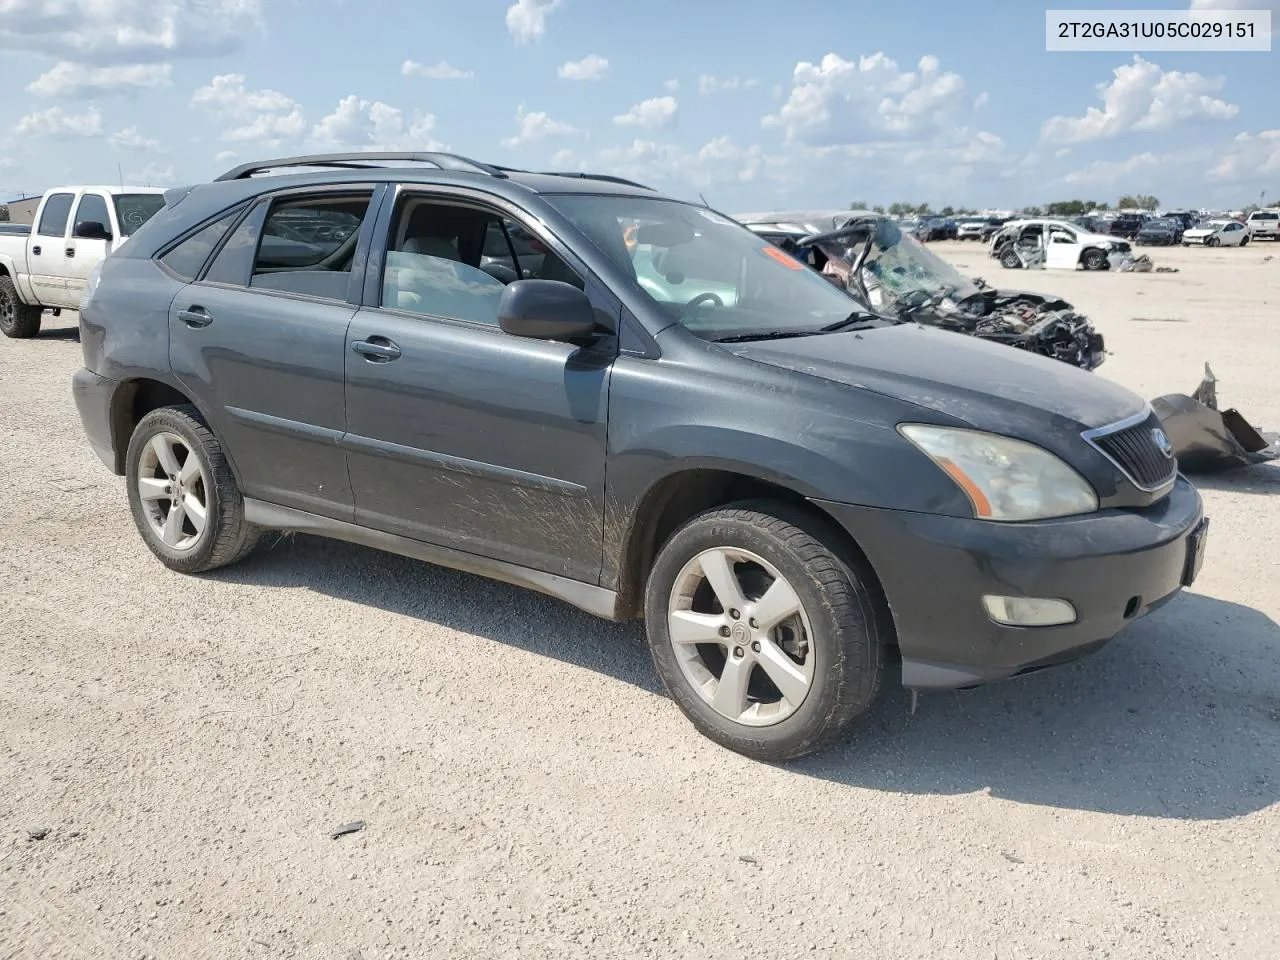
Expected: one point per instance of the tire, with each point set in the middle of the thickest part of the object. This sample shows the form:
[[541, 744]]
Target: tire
[[1094, 260], [1244, 242], [226, 536], [18, 320], [835, 641], [1213, 242], [1009, 258]]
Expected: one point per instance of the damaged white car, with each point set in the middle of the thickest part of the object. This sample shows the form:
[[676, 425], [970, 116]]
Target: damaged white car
[[1057, 245]]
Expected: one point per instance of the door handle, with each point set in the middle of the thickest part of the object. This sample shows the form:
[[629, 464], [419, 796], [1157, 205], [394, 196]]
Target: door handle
[[195, 317], [35, 251], [71, 251], [376, 349]]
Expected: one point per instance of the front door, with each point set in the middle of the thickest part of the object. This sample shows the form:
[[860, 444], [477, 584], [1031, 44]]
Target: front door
[[1063, 251], [82, 255], [260, 339], [458, 433]]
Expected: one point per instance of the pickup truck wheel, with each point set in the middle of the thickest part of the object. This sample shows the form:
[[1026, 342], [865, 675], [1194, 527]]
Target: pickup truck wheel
[[18, 320], [769, 641], [183, 495]]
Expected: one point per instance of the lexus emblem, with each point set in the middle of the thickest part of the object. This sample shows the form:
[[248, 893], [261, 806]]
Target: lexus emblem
[[1161, 440]]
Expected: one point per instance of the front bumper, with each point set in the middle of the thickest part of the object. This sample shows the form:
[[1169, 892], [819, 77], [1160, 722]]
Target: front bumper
[[93, 400], [1113, 567]]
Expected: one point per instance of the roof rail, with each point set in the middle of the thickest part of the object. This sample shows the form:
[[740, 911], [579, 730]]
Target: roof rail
[[363, 160], [609, 178]]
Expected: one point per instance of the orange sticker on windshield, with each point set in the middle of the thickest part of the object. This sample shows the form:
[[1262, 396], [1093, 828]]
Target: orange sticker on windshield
[[784, 258]]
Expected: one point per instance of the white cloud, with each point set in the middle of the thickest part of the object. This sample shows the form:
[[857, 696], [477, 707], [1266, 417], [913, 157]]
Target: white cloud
[[652, 114], [710, 84], [842, 102], [71, 81], [980, 100], [128, 31], [672, 85], [1142, 96], [440, 71], [1108, 172], [225, 156], [590, 67], [56, 122], [151, 175], [535, 126], [720, 162], [527, 19], [1248, 156], [131, 141], [373, 125], [265, 117]]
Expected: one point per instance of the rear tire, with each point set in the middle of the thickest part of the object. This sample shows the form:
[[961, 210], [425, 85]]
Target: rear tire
[[788, 671], [18, 320], [183, 495]]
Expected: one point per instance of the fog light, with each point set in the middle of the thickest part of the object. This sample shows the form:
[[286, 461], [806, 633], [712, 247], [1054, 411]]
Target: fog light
[[1028, 611]]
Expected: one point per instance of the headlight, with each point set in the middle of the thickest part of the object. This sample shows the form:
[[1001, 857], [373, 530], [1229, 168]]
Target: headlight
[[1004, 479]]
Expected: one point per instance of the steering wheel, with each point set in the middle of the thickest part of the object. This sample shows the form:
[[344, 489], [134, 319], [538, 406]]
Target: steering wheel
[[711, 298]]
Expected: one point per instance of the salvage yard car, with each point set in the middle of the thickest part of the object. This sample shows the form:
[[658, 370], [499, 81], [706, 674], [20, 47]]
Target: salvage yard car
[[1217, 233], [889, 272], [1056, 245], [1159, 232], [1264, 224], [787, 489], [49, 265]]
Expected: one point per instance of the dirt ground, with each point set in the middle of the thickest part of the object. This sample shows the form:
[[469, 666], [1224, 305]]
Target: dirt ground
[[528, 791]]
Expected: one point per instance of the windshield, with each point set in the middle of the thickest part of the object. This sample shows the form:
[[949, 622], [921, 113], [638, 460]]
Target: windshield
[[899, 267], [705, 271], [135, 209]]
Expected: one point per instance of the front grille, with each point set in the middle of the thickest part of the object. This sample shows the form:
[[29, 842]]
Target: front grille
[[1132, 447]]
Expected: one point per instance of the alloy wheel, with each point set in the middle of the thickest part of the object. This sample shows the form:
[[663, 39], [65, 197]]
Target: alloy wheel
[[741, 636], [174, 491]]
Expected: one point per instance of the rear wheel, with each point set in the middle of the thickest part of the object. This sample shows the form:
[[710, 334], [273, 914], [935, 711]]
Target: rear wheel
[[770, 641], [183, 495], [18, 320]]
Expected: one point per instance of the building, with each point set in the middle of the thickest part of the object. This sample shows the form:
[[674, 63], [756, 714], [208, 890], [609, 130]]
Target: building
[[23, 211]]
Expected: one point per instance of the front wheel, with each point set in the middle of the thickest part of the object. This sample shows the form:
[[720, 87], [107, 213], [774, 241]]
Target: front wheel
[[1009, 258], [1212, 242], [770, 641], [18, 320], [1095, 260], [183, 495]]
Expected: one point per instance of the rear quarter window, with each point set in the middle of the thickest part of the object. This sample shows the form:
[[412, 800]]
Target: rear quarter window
[[188, 257]]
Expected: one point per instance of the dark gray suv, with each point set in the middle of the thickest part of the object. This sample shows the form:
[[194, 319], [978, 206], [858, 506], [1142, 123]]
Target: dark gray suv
[[573, 383]]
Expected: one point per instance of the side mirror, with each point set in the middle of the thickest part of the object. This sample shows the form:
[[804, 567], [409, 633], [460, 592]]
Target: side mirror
[[91, 230], [546, 310]]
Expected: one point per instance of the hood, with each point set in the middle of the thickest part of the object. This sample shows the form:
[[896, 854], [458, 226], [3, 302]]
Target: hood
[[1200, 231], [990, 386]]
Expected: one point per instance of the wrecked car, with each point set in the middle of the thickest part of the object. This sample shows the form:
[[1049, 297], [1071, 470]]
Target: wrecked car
[[1049, 244], [890, 272]]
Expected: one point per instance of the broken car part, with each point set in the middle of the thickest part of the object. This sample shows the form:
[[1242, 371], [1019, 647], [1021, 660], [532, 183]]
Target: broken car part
[[1206, 440]]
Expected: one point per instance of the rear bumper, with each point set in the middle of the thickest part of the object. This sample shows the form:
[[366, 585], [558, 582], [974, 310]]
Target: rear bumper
[[93, 400], [1113, 567]]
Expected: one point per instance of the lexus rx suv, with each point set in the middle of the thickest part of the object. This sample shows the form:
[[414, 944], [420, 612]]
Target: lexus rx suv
[[573, 383]]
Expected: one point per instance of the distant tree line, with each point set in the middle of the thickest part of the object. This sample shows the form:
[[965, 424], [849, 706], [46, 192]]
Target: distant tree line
[[1058, 208]]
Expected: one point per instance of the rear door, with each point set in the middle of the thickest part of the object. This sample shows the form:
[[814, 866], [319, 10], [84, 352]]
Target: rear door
[[81, 254], [260, 340], [46, 250], [458, 433]]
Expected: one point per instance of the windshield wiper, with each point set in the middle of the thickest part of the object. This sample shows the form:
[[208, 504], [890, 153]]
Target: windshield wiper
[[858, 320], [765, 335]]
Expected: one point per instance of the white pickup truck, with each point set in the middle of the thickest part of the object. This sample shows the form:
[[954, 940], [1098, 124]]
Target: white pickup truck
[[48, 265]]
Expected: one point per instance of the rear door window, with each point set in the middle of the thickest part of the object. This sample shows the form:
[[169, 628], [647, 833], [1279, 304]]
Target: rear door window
[[308, 244], [57, 210]]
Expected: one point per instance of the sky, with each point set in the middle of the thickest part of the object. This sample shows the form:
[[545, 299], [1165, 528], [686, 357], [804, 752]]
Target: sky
[[754, 104]]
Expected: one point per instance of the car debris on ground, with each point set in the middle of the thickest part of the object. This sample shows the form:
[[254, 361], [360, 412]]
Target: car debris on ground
[[1207, 440], [892, 273]]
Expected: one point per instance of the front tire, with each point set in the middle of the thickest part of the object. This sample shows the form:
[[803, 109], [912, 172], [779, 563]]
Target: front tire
[[18, 320], [1009, 258], [1095, 260], [183, 495], [769, 640], [1212, 242]]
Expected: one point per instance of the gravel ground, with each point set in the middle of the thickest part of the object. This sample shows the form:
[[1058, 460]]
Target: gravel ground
[[528, 791]]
